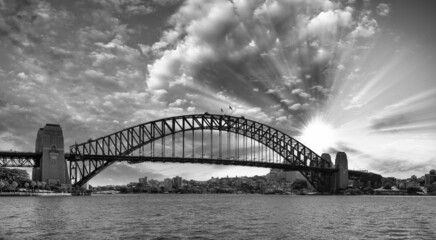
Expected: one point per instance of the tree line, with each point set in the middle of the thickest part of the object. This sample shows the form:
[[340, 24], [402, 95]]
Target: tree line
[[11, 179]]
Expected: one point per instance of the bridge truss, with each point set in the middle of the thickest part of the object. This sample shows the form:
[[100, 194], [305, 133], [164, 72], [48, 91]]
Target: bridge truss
[[20, 159], [202, 138]]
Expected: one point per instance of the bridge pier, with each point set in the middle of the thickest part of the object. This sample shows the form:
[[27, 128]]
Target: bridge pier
[[340, 179], [53, 168], [328, 177]]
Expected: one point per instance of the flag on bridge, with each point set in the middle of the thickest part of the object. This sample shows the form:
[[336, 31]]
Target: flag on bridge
[[230, 107], [222, 110]]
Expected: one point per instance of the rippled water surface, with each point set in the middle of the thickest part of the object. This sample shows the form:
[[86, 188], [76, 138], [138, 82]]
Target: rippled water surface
[[168, 216]]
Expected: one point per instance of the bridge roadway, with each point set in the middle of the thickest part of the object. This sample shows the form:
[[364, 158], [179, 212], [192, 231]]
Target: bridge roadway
[[141, 159], [31, 159]]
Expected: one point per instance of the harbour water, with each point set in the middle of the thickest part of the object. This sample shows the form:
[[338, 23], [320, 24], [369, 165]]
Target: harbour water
[[179, 216]]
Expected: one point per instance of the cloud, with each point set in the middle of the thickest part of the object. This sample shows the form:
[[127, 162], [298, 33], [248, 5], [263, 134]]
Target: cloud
[[22, 21], [263, 45], [286, 101], [366, 28], [295, 107], [390, 122], [393, 166], [135, 7], [329, 22], [343, 147], [410, 114], [114, 51], [383, 9], [178, 103], [132, 7], [301, 93]]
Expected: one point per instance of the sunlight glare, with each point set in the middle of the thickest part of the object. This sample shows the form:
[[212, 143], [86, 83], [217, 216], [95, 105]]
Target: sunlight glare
[[318, 135]]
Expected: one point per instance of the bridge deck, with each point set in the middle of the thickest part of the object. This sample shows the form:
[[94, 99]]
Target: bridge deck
[[141, 159]]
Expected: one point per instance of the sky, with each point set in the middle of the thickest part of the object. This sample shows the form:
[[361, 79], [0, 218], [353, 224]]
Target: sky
[[352, 76]]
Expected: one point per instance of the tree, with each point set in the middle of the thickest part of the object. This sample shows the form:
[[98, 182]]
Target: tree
[[299, 184], [43, 185], [414, 178], [387, 185], [2, 184], [26, 185], [14, 185], [33, 184], [14, 174]]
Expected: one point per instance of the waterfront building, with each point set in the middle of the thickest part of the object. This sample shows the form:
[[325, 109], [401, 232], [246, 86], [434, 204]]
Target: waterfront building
[[177, 182], [143, 181], [168, 184], [430, 178]]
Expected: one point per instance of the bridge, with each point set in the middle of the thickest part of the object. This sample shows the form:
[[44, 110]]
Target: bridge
[[199, 138]]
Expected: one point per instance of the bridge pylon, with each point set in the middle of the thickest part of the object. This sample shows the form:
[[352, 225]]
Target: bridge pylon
[[329, 178], [341, 176], [52, 168]]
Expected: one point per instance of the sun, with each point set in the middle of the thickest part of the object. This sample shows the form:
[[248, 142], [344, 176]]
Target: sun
[[318, 135]]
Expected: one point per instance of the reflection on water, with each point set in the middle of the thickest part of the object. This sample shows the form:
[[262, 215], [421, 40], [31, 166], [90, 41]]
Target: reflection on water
[[169, 216]]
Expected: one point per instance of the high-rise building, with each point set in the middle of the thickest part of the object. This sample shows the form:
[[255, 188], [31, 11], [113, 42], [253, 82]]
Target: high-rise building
[[430, 178], [168, 184], [177, 182], [143, 181]]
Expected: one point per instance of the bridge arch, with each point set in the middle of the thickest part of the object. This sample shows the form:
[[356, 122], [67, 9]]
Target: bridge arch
[[88, 159]]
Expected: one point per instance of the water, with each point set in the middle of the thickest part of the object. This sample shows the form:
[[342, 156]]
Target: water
[[167, 216]]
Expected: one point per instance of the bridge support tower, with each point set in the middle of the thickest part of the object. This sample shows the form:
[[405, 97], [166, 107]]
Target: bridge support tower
[[53, 168], [340, 179], [328, 177]]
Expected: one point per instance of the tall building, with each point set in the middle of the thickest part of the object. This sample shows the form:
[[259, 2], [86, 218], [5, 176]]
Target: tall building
[[177, 182], [143, 181], [430, 178], [168, 184]]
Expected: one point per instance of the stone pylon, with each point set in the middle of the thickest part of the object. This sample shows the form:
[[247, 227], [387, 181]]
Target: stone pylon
[[341, 176], [327, 157], [328, 177], [53, 167]]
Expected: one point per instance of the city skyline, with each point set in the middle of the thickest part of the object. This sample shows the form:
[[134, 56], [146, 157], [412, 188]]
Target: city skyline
[[352, 76]]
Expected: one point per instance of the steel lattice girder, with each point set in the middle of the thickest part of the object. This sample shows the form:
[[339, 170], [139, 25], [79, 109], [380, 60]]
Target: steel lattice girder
[[124, 142], [19, 159]]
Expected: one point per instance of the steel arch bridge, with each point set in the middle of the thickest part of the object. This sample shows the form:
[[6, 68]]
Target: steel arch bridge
[[200, 138]]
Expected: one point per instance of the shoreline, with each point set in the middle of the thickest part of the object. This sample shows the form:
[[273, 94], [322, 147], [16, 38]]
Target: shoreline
[[27, 194]]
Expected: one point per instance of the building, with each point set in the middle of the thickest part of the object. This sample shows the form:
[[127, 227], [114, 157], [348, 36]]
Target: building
[[168, 184], [177, 182], [291, 176], [430, 178], [275, 175], [143, 181]]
